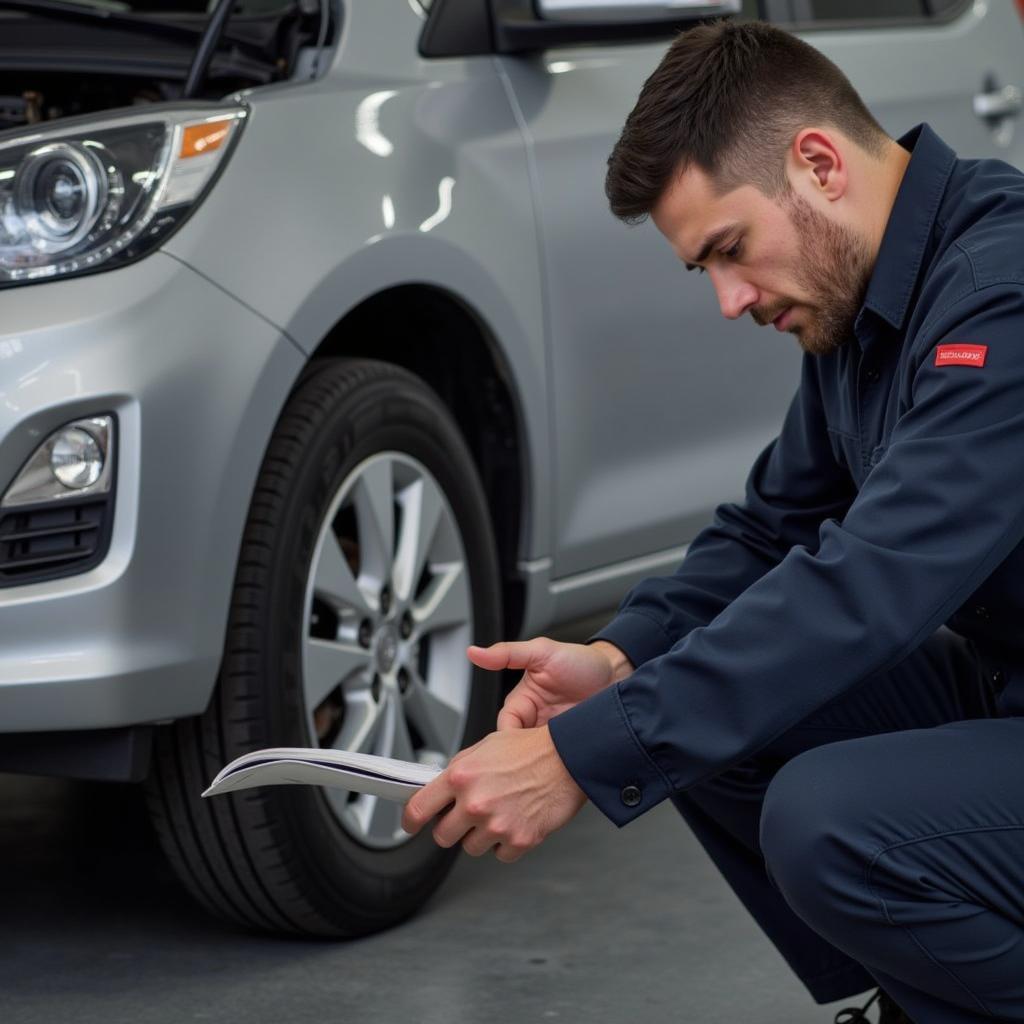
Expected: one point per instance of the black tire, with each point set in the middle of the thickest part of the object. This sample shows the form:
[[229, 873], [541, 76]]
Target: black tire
[[276, 858]]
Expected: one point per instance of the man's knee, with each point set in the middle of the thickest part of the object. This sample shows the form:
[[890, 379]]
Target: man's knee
[[810, 833]]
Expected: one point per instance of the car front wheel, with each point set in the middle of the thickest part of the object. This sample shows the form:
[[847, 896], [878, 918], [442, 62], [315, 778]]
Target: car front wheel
[[367, 566]]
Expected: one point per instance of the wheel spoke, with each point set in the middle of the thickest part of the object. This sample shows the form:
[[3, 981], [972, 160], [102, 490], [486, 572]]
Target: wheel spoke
[[437, 722], [333, 579], [421, 513], [375, 515], [328, 663], [380, 820], [361, 727], [394, 740], [445, 602]]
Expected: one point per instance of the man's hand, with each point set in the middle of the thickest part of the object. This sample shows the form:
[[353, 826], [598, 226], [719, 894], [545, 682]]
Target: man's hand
[[510, 790], [557, 677]]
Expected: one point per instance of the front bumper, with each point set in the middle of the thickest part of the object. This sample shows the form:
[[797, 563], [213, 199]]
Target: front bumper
[[196, 381]]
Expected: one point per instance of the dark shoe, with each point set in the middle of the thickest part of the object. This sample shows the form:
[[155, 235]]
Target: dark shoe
[[888, 1011]]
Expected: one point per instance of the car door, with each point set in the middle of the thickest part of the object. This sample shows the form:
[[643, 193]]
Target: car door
[[658, 404], [956, 64]]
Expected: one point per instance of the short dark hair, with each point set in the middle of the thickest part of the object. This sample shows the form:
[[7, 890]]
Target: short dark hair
[[728, 97]]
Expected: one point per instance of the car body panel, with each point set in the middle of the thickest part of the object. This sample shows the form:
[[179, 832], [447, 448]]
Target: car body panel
[[424, 181], [139, 637]]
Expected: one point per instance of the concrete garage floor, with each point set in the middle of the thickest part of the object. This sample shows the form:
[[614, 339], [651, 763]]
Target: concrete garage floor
[[599, 925]]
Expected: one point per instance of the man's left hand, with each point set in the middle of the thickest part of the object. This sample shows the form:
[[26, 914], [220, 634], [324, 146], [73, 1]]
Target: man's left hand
[[510, 791]]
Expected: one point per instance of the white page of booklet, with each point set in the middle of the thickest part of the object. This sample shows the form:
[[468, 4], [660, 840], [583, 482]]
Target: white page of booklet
[[315, 766]]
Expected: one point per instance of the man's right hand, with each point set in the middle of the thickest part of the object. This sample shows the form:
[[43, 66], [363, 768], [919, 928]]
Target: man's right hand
[[557, 677]]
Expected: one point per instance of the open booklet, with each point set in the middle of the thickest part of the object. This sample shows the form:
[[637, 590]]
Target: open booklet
[[316, 766]]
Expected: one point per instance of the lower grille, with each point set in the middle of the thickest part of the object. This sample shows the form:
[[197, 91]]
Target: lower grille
[[44, 542]]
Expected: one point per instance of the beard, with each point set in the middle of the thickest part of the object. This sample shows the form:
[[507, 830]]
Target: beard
[[834, 267]]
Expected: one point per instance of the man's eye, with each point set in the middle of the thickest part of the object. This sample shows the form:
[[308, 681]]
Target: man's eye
[[733, 252]]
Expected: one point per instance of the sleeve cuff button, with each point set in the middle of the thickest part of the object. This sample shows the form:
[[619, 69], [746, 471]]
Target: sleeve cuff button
[[631, 795]]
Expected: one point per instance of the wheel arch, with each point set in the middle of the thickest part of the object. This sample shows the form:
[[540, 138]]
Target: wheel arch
[[457, 355]]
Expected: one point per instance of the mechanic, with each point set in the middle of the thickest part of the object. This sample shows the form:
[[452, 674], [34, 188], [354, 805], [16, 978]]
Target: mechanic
[[829, 687]]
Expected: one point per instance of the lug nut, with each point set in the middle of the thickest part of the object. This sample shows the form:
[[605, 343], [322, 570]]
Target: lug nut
[[385, 600], [375, 687], [406, 627], [365, 633], [403, 680]]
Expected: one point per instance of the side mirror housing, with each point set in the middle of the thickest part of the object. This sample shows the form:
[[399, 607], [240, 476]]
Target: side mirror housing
[[466, 28], [523, 26], [633, 10]]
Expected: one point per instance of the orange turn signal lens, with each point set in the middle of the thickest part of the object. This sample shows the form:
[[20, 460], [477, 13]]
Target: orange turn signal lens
[[198, 139]]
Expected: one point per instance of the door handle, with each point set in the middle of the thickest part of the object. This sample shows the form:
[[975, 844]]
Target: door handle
[[998, 103]]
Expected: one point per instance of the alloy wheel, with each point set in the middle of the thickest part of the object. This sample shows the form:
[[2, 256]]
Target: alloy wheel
[[387, 617]]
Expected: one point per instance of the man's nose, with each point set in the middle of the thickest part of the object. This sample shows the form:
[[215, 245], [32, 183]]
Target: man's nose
[[735, 296]]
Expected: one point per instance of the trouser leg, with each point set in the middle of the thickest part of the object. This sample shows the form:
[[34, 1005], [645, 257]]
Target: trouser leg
[[905, 851], [941, 682], [827, 972]]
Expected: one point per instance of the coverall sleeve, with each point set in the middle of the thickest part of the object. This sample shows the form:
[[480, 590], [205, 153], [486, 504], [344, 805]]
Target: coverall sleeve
[[937, 514], [794, 484]]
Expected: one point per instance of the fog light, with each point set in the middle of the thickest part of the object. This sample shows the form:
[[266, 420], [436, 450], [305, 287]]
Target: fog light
[[76, 459]]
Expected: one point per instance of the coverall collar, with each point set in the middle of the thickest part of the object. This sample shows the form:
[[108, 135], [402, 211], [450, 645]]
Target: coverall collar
[[907, 233]]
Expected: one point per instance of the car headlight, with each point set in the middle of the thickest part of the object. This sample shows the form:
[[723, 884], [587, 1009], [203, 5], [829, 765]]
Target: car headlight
[[87, 194]]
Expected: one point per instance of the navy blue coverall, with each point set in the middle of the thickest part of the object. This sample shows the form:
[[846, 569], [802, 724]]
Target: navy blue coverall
[[830, 687]]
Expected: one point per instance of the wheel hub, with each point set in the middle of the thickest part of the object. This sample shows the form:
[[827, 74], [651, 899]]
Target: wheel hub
[[387, 647]]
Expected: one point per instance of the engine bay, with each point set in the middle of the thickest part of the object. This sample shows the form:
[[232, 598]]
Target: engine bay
[[62, 59]]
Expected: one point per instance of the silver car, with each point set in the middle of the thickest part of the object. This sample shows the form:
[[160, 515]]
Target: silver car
[[321, 357]]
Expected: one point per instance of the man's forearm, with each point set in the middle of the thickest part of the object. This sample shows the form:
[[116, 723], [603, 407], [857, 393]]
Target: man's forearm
[[621, 665]]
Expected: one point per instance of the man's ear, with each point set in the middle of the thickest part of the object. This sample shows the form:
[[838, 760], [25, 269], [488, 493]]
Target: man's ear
[[816, 158]]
